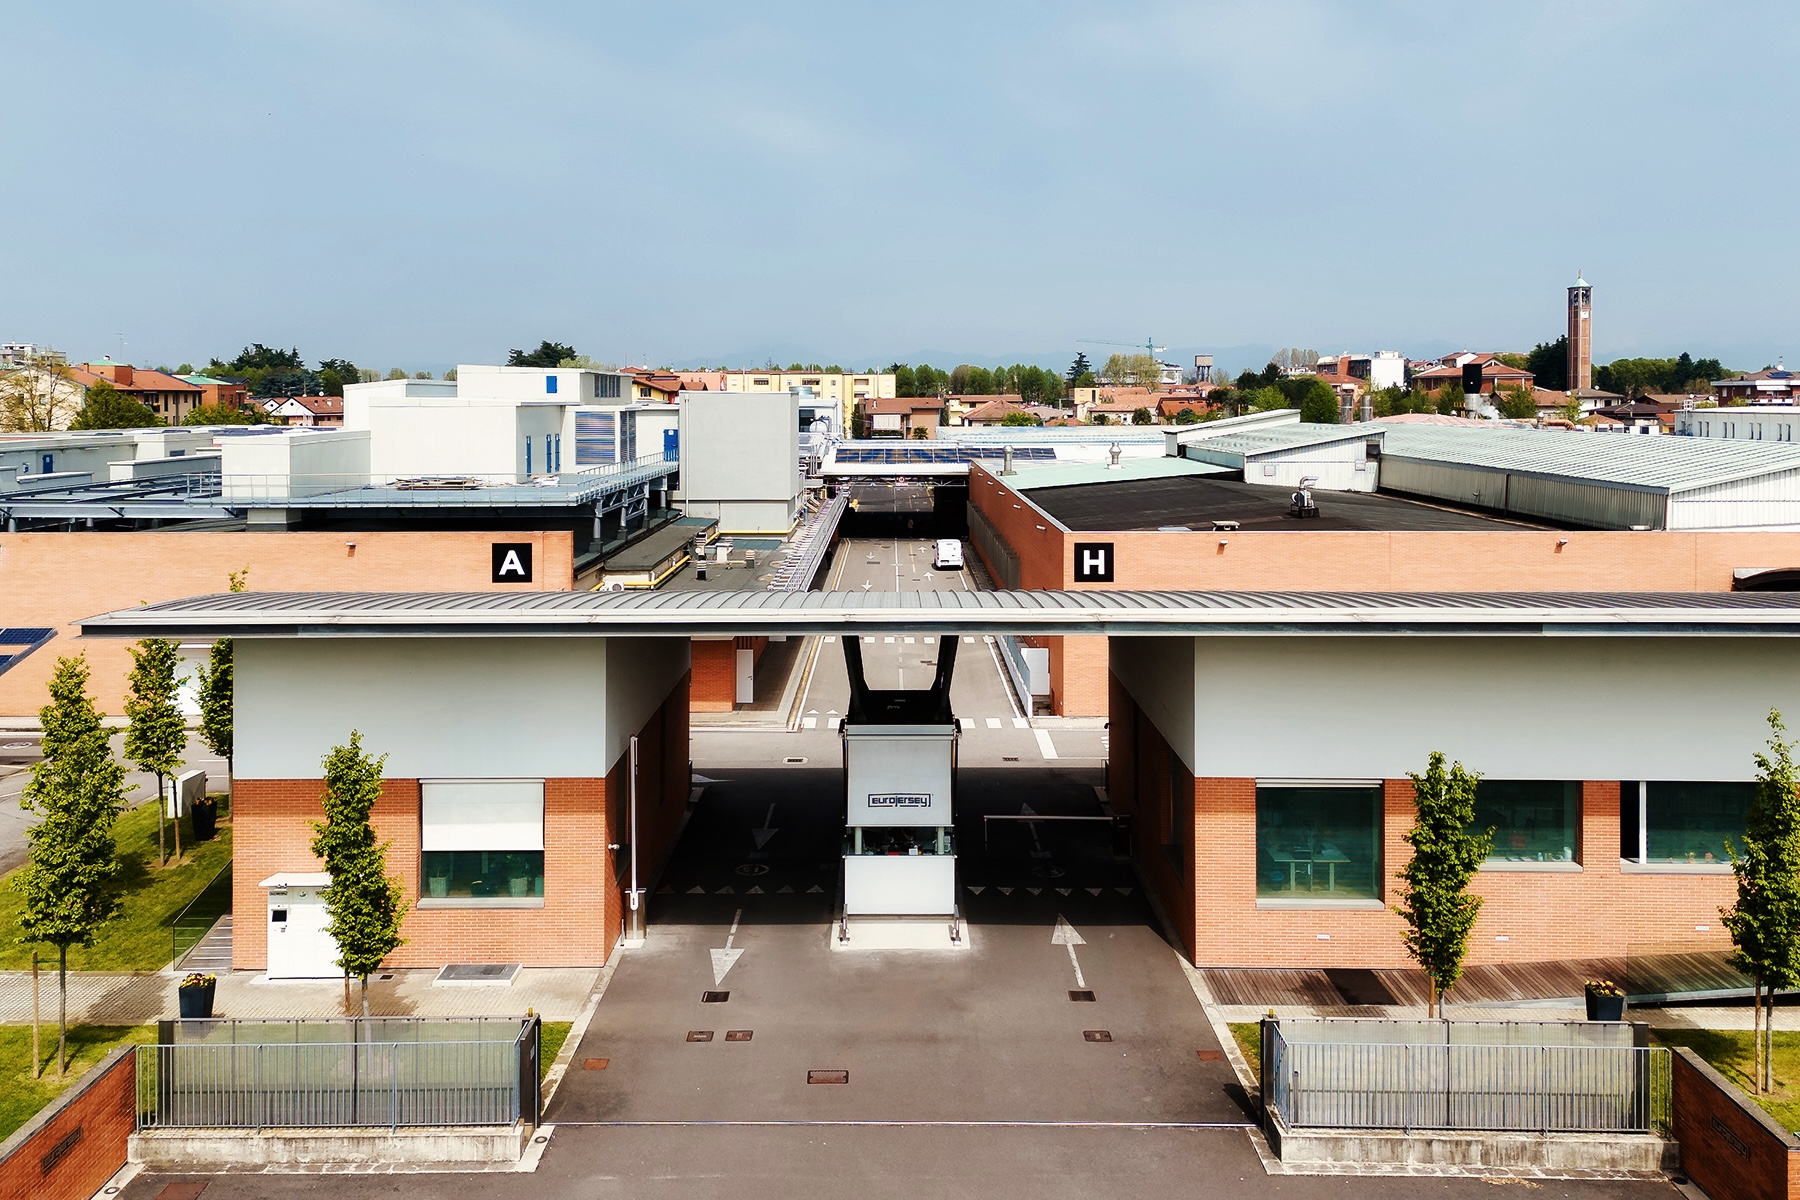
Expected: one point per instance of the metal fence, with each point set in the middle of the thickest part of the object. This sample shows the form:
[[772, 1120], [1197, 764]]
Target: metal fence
[[296, 1074], [1468, 1085]]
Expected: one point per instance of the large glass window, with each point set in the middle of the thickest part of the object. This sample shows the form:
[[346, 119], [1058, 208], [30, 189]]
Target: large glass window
[[1672, 822], [1318, 843], [1534, 820], [482, 839]]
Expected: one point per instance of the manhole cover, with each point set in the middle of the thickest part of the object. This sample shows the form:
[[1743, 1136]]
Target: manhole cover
[[714, 997], [699, 1035], [1084, 996], [594, 1064], [753, 869], [1097, 1035], [739, 1035], [478, 973], [828, 1077]]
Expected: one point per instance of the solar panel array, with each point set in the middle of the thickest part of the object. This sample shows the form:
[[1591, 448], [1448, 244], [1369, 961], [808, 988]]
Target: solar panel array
[[949, 456]]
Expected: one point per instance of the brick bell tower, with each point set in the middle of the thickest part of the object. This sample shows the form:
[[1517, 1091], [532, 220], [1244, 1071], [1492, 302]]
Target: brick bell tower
[[1581, 334]]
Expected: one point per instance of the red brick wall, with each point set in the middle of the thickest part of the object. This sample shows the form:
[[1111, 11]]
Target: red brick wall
[[580, 918], [70, 1150], [1729, 1146], [57, 579], [1544, 915], [714, 668]]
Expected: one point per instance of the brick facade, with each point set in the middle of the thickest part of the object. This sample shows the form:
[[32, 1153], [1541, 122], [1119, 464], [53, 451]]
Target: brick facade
[[582, 910], [58, 579], [714, 667], [1206, 880], [71, 1148], [1729, 1146]]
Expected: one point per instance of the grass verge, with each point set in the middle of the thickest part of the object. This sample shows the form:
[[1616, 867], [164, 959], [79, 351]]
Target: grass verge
[[22, 1096], [138, 938], [1728, 1052], [550, 1043], [1248, 1036]]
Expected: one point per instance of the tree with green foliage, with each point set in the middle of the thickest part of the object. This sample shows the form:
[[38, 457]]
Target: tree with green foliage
[[157, 734], [1435, 901], [1315, 399], [226, 414], [1079, 369], [1141, 416], [107, 407], [1133, 370], [218, 694], [1548, 363], [69, 886], [335, 373], [366, 906], [548, 354], [1764, 923], [969, 380], [1187, 416], [1020, 418], [1515, 403]]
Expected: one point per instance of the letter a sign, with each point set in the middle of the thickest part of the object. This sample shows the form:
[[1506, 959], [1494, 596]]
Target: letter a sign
[[512, 562], [1093, 562]]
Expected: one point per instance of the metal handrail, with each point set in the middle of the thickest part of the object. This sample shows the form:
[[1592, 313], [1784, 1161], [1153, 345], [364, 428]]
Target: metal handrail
[[183, 920]]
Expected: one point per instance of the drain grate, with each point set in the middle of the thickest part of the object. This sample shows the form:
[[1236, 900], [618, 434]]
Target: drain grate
[[699, 1035], [795, 760], [739, 1035], [1097, 1035], [494, 973], [594, 1064], [1211, 1055], [1084, 996], [828, 1077], [1009, 758], [714, 997]]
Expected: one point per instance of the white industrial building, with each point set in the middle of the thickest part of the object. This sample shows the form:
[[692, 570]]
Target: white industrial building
[[1746, 422], [1334, 458], [740, 460]]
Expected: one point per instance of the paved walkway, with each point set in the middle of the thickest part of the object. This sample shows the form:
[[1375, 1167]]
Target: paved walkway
[[1671, 1017], [124, 999]]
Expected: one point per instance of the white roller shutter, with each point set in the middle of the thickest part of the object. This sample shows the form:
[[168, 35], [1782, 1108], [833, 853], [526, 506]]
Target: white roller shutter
[[485, 814]]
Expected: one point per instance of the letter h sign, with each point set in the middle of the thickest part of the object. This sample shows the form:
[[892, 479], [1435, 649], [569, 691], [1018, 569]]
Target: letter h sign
[[1093, 562]]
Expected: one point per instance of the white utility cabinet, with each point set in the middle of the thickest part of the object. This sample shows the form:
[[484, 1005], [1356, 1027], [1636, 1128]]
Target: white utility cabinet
[[299, 946]]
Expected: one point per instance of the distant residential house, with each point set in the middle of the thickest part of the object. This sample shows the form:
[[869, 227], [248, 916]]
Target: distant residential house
[[1169, 408], [169, 397], [993, 410], [1114, 402], [219, 393], [1638, 416], [306, 410], [1771, 385], [1494, 373], [900, 416], [658, 387], [41, 397], [1382, 369]]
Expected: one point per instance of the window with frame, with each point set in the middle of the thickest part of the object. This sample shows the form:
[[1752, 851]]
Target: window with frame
[[1682, 823], [1318, 841], [1534, 820], [482, 840]]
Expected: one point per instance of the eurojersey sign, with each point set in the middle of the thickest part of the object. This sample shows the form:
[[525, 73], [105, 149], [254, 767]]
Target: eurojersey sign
[[900, 800]]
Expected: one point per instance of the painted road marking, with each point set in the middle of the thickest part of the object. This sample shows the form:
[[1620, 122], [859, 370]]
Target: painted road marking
[[888, 640], [909, 641], [1045, 746], [831, 637], [993, 722], [969, 641], [1021, 723], [1064, 935], [809, 722], [724, 960], [767, 831]]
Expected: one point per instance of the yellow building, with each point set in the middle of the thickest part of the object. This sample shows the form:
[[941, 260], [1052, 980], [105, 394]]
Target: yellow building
[[845, 390]]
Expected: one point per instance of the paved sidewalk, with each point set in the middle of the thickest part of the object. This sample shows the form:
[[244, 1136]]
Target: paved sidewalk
[[557, 994]]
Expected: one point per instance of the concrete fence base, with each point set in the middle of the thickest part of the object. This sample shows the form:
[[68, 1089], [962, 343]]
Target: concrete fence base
[[214, 1149], [1550, 1152]]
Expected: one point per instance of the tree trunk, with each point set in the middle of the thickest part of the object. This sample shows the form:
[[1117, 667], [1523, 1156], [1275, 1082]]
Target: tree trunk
[[365, 996], [1431, 997], [1756, 1044], [162, 853], [37, 1052], [62, 1010], [1769, 1044]]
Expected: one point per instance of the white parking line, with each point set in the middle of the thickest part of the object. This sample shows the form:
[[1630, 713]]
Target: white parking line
[[909, 641], [1045, 746], [888, 640]]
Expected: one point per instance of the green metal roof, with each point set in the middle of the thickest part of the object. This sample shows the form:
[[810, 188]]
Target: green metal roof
[[1666, 464]]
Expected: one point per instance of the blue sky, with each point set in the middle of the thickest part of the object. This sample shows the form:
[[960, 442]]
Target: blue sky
[[420, 183]]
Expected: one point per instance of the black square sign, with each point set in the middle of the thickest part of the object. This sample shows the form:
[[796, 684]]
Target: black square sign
[[512, 562], [1093, 562]]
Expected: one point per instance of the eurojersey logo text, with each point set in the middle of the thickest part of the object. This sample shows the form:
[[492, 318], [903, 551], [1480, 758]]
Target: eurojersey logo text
[[901, 800]]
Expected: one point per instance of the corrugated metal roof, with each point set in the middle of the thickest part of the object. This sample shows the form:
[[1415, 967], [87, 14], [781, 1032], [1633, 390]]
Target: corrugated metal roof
[[1031, 475], [1286, 437], [1667, 464], [349, 614]]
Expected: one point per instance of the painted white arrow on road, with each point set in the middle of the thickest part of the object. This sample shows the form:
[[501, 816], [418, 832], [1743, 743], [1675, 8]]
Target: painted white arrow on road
[[763, 835], [1064, 935], [724, 960]]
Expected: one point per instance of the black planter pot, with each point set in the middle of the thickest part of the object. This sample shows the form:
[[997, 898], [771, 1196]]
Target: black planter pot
[[206, 820], [196, 1000], [1605, 1008]]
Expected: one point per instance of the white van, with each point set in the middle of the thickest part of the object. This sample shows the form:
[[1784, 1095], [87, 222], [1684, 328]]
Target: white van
[[949, 555]]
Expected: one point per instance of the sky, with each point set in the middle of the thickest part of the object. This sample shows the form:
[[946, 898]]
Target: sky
[[417, 183]]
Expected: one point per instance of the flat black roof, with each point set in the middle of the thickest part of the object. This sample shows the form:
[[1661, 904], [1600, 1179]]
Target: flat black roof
[[1196, 501]]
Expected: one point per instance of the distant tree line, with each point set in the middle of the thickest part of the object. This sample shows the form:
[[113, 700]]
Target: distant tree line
[[1271, 388], [1548, 363], [1033, 385]]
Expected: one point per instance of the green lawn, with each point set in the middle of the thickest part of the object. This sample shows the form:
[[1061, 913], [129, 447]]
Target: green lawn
[[551, 1037], [1248, 1035], [138, 938], [1728, 1052], [21, 1096]]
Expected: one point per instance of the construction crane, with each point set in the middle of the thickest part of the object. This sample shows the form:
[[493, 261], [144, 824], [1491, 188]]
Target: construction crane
[[1149, 347]]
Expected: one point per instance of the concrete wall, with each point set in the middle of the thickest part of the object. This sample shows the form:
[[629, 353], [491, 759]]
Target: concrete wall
[[304, 462], [1729, 1145], [71, 1148], [741, 449], [57, 579]]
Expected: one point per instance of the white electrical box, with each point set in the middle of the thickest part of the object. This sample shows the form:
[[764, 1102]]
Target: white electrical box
[[299, 946]]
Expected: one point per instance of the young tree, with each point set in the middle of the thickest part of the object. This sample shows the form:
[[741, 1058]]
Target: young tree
[[1765, 922], [1516, 403], [1435, 901], [68, 885], [108, 408], [157, 734], [365, 904], [1133, 370], [225, 414]]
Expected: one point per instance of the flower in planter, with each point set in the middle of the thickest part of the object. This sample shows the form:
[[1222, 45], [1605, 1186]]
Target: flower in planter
[[198, 980], [1604, 987]]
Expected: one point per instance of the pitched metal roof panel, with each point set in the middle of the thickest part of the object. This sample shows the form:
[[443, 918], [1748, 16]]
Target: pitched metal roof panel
[[1668, 464]]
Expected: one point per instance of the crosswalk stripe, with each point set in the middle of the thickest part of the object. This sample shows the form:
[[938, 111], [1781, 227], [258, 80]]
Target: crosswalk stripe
[[1021, 723], [696, 890], [1093, 891], [909, 641], [809, 722], [831, 637], [993, 722], [754, 891], [785, 890], [888, 640], [969, 641]]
